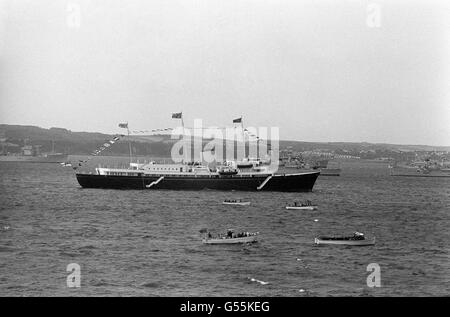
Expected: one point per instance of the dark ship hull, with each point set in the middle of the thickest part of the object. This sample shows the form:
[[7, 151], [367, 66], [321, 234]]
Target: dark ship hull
[[301, 182]]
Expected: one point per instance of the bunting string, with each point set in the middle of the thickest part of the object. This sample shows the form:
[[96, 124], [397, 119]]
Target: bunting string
[[99, 150], [152, 131], [250, 134], [109, 143]]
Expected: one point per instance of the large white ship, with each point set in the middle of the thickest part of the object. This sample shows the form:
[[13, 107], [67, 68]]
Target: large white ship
[[196, 177]]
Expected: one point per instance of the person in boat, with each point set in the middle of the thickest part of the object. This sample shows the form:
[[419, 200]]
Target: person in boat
[[358, 236], [230, 234], [209, 235]]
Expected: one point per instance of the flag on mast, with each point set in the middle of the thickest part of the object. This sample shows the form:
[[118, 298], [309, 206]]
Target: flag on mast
[[123, 125], [238, 120], [177, 115]]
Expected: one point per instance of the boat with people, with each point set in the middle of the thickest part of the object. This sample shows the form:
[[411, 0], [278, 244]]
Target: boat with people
[[357, 239], [305, 205], [230, 237], [236, 202]]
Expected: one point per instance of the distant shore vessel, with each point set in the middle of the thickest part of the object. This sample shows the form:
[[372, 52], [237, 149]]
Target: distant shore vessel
[[32, 154], [196, 177], [330, 171], [319, 165], [425, 168]]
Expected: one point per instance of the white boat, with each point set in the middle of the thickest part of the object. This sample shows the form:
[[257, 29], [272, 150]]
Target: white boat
[[224, 240], [357, 239], [306, 205], [236, 203], [345, 242], [302, 207]]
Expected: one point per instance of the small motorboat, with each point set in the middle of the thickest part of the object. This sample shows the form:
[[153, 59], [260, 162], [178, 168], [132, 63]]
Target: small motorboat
[[230, 238], [302, 207], [235, 202], [249, 239], [306, 205], [357, 239]]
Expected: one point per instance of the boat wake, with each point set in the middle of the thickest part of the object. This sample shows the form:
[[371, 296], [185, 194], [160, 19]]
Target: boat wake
[[258, 281]]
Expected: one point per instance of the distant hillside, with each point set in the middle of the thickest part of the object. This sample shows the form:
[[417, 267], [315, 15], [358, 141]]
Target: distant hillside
[[13, 137], [361, 146]]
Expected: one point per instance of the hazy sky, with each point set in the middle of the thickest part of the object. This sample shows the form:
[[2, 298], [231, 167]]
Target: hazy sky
[[319, 70]]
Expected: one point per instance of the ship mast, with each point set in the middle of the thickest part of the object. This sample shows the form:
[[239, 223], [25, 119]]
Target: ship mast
[[125, 126], [239, 120], [179, 115], [243, 137], [129, 144], [185, 144]]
